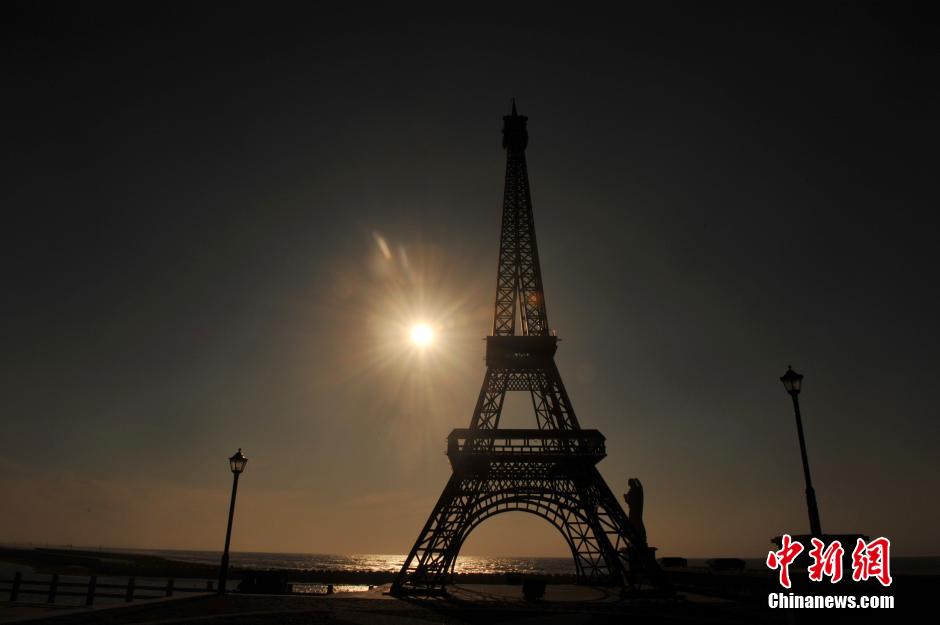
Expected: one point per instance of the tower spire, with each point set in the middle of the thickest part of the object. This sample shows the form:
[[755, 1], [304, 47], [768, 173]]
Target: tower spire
[[519, 277]]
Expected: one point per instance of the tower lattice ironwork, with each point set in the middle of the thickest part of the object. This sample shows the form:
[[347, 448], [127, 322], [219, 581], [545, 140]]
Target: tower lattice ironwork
[[550, 471]]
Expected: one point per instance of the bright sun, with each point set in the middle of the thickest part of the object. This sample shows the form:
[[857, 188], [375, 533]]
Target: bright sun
[[421, 334]]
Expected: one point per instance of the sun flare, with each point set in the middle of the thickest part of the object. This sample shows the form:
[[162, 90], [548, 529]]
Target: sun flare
[[422, 334]]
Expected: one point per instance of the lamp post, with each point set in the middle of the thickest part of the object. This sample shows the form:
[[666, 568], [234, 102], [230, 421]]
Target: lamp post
[[237, 463], [792, 382]]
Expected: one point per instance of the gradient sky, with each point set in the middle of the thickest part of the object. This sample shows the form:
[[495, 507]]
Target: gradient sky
[[220, 222]]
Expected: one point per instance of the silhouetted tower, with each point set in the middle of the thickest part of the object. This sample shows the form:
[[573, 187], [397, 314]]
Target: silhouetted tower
[[550, 471]]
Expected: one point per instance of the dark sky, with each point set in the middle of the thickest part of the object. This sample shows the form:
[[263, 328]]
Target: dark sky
[[196, 199]]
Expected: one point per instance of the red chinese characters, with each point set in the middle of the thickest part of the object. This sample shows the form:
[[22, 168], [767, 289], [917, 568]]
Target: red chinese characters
[[872, 560], [869, 560], [826, 562], [782, 559]]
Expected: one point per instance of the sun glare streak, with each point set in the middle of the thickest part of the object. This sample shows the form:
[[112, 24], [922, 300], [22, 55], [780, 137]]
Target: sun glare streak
[[415, 372], [383, 246]]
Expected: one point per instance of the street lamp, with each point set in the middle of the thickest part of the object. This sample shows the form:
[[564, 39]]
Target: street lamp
[[792, 382], [237, 463]]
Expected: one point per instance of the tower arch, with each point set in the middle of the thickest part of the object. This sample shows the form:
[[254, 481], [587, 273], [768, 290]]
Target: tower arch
[[543, 506]]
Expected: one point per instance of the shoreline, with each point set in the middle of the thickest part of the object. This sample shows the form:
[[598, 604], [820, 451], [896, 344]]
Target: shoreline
[[84, 562]]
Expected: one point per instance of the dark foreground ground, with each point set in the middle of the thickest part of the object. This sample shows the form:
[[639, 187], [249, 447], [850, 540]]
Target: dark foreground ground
[[471, 604]]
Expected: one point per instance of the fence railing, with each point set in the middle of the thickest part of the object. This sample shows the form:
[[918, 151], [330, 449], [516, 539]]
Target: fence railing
[[90, 590], [548, 445]]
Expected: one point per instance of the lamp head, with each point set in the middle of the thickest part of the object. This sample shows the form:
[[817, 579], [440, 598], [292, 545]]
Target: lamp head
[[792, 381], [238, 462]]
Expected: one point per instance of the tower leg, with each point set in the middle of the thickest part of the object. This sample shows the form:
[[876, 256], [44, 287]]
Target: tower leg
[[429, 565]]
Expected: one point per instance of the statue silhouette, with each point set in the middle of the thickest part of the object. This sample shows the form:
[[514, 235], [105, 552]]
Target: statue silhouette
[[634, 499]]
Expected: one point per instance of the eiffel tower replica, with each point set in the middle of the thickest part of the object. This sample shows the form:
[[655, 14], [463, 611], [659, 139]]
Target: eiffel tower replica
[[549, 471]]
